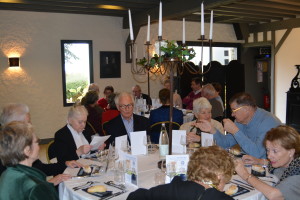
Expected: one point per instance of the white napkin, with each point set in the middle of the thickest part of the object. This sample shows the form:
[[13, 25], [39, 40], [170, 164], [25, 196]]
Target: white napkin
[[207, 139], [176, 146], [137, 143]]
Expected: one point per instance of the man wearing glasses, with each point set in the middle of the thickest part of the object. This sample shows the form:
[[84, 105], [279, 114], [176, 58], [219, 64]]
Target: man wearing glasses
[[249, 129], [126, 122]]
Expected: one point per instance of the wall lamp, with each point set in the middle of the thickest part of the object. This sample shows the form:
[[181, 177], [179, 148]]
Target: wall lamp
[[14, 62]]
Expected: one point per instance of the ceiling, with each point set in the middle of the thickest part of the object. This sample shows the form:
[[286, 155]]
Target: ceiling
[[250, 12]]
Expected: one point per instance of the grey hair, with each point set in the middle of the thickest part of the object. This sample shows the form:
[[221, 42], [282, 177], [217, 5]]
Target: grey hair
[[77, 110], [208, 90], [94, 87], [138, 87], [123, 94], [13, 112], [199, 104]]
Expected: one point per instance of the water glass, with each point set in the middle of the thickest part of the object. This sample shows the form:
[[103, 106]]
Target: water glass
[[159, 178], [183, 143], [119, 173]]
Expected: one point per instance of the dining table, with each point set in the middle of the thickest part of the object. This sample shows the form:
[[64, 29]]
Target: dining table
[[147, 168]]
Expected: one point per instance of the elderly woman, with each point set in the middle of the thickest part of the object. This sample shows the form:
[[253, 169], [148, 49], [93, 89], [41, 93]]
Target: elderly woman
[[209, 169], [202, 111], [72, 141], [19, 148], [283, 150]]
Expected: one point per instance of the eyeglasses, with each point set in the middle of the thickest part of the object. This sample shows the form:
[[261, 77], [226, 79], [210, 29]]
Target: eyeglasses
[[234, 110], [126, 106]]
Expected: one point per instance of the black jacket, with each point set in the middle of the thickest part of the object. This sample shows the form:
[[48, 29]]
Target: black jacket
[[65, 146], [116, 128]]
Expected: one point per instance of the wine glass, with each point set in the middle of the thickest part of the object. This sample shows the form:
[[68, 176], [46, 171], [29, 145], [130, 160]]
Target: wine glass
[[145, 142], [183, 143], [171, 170]]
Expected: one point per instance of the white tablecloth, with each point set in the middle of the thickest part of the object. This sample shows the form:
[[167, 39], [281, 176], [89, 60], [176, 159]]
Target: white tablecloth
[[147, 167]]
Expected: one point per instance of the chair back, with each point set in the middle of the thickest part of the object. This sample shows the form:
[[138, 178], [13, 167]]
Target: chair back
[[155, 129], [50, 152]]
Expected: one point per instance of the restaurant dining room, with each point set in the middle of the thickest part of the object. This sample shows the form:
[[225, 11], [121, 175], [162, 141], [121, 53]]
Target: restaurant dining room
[[60, 59]]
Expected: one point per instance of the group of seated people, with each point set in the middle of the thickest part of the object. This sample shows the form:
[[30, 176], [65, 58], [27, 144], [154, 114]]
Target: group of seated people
[[259, 134]]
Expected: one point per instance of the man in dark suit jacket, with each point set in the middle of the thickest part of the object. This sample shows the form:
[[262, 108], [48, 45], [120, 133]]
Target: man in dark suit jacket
[[137, 93], [126, 122]]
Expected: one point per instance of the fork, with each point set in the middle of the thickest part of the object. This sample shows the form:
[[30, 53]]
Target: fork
[[84, 186]]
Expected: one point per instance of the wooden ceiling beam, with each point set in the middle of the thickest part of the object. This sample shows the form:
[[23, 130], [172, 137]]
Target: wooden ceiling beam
[[290, 2], [273, 26], [265, 10], [268, 5]]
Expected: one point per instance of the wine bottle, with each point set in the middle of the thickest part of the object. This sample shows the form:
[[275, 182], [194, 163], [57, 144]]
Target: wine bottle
[[163, 142]]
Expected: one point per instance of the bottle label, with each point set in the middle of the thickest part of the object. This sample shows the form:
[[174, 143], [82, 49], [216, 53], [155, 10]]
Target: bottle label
[[163, 150]]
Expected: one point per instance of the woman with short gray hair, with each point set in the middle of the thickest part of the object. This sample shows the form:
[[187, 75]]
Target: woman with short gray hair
[[202, 111], [14, 112]]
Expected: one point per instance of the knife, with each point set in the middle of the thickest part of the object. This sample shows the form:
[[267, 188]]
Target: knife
[[244, 184]]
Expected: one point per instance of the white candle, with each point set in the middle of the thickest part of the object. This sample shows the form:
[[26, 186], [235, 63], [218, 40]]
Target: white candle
[[148, 30], [130, 25], [160, 20], [183, 31], [211, 24], [202, 19]]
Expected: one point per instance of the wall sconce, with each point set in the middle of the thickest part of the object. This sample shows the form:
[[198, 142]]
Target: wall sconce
[[14, 62]]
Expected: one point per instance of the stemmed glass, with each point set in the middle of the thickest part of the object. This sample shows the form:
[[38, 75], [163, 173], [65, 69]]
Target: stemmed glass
[[145, 143], [183, 143], [171, 170]]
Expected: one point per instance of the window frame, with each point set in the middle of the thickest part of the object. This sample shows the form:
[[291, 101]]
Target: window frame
[[90, 43]]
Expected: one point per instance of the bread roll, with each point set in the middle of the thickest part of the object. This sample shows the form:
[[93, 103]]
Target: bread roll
[[232, 190], [97, 188], [258, 168], [194, 145], [235, 151], [87, 169]]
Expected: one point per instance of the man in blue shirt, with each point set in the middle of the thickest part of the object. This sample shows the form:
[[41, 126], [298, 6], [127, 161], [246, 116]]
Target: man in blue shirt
[[249, 129]]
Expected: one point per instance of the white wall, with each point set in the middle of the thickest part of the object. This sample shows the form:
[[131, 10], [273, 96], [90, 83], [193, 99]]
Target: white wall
[[285, 60], [35, 37]]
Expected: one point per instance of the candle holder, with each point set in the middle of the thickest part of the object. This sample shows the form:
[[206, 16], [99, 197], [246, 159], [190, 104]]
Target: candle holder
[[295, 84]]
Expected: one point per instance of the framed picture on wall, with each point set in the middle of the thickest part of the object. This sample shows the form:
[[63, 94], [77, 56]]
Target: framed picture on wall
[[110, 64]]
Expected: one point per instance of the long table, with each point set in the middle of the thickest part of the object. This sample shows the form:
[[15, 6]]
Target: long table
[[147, 167]]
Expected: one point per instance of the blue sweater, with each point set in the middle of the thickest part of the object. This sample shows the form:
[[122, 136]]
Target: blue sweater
[[250, 136]]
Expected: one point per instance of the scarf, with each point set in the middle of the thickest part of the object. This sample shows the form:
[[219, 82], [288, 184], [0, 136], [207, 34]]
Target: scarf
[[291, 170]]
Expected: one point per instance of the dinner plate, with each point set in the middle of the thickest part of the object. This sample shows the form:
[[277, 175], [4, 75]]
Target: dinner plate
[[98, 194]]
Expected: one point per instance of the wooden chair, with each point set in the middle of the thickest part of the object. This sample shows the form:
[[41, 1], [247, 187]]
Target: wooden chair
[[155, 129], [50, 152]]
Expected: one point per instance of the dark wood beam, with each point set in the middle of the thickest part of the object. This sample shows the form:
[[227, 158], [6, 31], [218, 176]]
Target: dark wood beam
[[273, 26], [252, 13]]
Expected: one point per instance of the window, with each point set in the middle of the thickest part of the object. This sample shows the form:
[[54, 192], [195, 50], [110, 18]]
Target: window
[[221, 52], [77, 69]]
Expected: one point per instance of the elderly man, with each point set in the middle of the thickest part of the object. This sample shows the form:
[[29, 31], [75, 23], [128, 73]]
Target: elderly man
[[126, 122], [20, 112], [208, 91], [195, 94], [249, 129], [137, 93]]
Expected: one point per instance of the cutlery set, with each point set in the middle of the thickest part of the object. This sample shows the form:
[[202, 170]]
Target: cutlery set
[[84, 186]]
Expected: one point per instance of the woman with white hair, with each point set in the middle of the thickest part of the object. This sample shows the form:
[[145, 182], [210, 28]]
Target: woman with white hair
[[202, 111], [73, 141]]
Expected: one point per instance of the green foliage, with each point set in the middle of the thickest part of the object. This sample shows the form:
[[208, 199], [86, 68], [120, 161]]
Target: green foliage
[[170, 50], [75, 90]]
